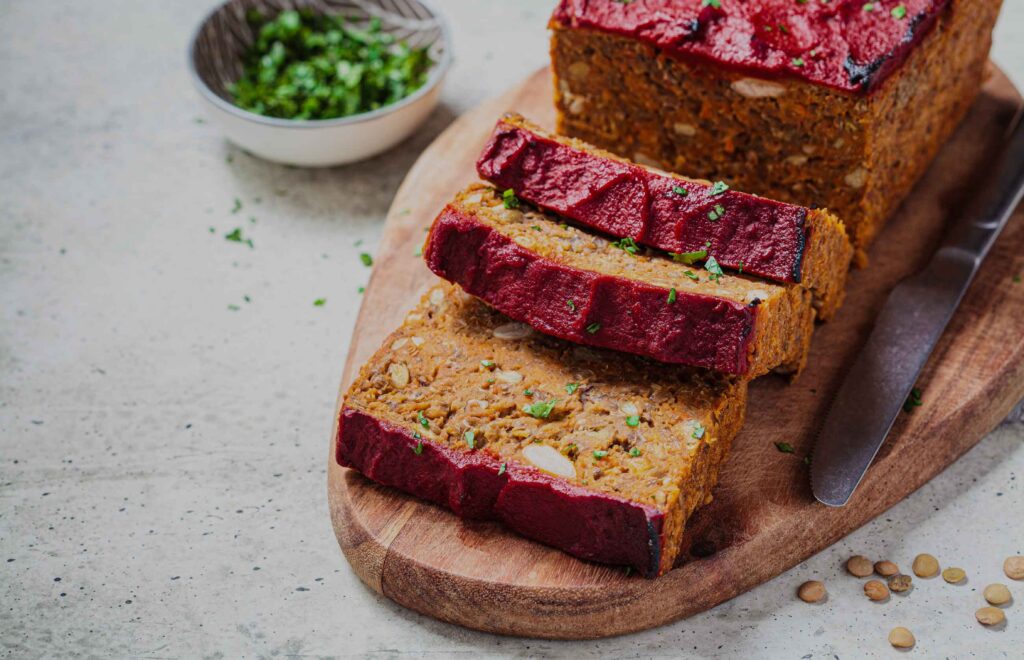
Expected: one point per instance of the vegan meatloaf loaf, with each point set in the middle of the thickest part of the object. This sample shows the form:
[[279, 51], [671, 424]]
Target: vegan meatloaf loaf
[[780, 242], [602, 455], [613, 294], [840, 104]]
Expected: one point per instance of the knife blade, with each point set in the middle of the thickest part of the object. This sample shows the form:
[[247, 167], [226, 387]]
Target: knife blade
[[907, 329]]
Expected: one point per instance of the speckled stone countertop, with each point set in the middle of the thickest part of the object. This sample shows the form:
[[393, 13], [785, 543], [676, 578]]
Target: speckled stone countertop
[[162, 455]]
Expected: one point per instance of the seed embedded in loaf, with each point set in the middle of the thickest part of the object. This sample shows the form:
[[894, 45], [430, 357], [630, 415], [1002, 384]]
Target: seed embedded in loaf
[[886, 568], [856, 178], [954, 575], [901, 638], [997, 594], [1014, 567], [925, 566], [579, 71], [990, 616], [811, 591], [548, 459], [876, 590], [754, 88], [512, 331], [686, 130], [859, 566], [509, 376], [900, 583], [399, 374]]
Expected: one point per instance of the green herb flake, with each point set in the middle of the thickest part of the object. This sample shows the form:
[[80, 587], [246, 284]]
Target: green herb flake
[[501, 470], [716, 213], [671, 296], [1017, 279], [634, 452], [237, 207], [418, 252], [418, 449], [470, 438], [593, 328], [898, 12], [716, 4], [784, 447], [718, 188], [689, 258], [571, 305], [572, 387], [797, 62], [740, 267], [600, 453], [711, 265], [626, 244], [235, 236], [361, 289], [319, 302], [487, 364], [541, 409], [509, 199], [528, 392], [535, 227], [692, 275], [698, 431], [366, 259], [913, 401], [679, 190], [234, 308], [868, 6], [633, 420], [424, 422]]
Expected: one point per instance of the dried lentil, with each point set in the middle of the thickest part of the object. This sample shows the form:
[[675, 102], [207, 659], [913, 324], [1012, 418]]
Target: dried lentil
[[876, 590], [859, 565], [990, 616], [811, 591], [886, 568], [900, 583], [954, 575], [1014, 567], [925, 566], [997, 594], [901, 638]]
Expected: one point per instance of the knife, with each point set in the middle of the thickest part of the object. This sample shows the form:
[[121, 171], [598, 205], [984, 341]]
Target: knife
[[908, 327]]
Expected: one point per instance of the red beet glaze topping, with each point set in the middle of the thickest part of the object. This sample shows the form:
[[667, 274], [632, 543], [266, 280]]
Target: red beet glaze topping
[[630, 316], [759, 236], [586, 524], [849, 45]]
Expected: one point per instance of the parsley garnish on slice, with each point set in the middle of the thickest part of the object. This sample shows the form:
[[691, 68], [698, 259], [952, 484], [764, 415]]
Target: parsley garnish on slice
[[509, 199], [535, 227], [718, 188], [487, 364], [627, 244], [716, 213], [593, 327], [470, 439], [711, 265], [869, 6], [234, 308], [717, 4], [740, 266], [634, 452], [528, 392], [501, 470], [688, 258], [319, 302], [235, 236], [424, 422], [679, 190], [361, 289], [366, 259], [541, 409], [698, 431], [237, 207], [898, 12], [913, 401], [784, 447], [571, 304], [797, 62], [633, 420], [671, 295], [600, 453], [418, 449], [692, 275], [418, 252], [572, 387]]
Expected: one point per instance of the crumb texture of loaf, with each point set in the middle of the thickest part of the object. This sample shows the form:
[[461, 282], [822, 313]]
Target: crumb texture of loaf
[[585, 288], [602, 455], [596, 189], [790, 137]]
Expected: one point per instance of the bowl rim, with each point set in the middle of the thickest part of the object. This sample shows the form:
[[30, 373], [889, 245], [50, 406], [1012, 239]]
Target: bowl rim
[[437, 73]]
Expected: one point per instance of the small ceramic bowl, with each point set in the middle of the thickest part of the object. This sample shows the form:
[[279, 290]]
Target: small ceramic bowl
[[215, 58]]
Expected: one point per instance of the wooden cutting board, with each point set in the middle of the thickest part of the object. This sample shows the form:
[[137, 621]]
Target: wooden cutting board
[[764, 519]]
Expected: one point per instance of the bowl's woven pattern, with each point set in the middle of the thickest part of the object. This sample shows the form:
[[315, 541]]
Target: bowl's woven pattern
[[225, 36]]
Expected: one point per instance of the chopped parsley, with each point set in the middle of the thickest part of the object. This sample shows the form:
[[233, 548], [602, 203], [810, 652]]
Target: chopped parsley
[[692, 275], [671, 295], [487, 364], [366, 259], [716, 4], [716, 213], [689, 258], [784, 447], [593, 327], [679, 190], [470, 439], [319, 302], [627, 244], [535, 227], [501, 470], [572, 387], [740, 266], [361, 289], [237, 207], [424, 422], [634, 452], [633, 420], [711, 265], [571, 305], [418, 449], [509, 199], [418, 252], [600, 453], [528, 392], [898, 12], [718, 188], [869, 6], [913, 401], [541, 409], [235, 236], [234, 308], [416, 434], [797, 61], [698, 431]]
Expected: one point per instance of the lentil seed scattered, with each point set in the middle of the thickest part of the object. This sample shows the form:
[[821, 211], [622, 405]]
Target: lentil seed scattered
[[886, 568], [925, 566], [876, 590], [859, 565], [997, 594], [901, 638], [1014, 567], [811, 591], [990, 616], [900, 583], [954, 575]]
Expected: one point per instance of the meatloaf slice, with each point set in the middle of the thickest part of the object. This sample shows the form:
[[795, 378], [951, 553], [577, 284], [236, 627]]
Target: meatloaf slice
[[579, 286], [780, 242], [602, 455]]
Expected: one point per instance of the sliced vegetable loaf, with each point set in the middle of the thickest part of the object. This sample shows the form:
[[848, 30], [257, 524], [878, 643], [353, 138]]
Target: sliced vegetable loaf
[[569, 283], [600, 454], [780, 242]]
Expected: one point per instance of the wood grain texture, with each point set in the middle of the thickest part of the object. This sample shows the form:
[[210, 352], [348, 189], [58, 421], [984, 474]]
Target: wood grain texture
[[764, 519]]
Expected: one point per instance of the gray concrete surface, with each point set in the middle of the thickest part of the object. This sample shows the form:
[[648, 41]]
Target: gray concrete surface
[[162, 454]]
